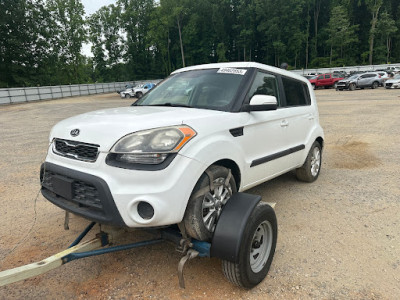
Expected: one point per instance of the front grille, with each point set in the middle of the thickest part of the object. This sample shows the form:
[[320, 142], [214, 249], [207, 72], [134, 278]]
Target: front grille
[[388, 85], [76, 150], [83, 194]]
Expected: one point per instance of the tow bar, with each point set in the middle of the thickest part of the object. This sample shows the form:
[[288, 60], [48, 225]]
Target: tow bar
[[232, 231]]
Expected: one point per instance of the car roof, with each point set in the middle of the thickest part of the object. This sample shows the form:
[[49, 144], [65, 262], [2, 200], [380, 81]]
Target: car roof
[[243, 65]]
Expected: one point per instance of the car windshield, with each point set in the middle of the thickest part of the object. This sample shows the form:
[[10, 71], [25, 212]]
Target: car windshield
[[208, 89]]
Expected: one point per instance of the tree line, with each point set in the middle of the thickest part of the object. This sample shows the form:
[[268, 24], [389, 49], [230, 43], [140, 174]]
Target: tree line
[[41, 40]]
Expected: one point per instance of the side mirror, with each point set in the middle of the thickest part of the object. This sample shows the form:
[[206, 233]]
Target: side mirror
[[261, 103]]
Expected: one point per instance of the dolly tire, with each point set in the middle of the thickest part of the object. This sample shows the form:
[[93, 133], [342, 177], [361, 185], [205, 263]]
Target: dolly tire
[[257, 249], [206, 204]]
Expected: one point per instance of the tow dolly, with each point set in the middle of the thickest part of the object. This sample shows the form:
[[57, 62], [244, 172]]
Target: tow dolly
[[244, 238]]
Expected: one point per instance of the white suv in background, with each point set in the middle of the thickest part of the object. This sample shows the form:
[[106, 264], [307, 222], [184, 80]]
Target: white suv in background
[[178, 153]]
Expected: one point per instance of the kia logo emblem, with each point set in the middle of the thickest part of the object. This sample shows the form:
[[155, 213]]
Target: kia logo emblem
[[75, 132]]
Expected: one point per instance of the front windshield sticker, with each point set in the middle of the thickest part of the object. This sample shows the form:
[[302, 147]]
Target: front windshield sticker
[[232, 71]]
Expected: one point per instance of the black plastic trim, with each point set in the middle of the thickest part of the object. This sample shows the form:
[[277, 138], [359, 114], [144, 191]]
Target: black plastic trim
[[268, 158], [228, 234], [236, 131], [112, 161], [108, 214]]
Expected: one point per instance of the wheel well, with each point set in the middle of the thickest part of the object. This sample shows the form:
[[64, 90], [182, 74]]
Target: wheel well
[[320, 141], [230, 164]]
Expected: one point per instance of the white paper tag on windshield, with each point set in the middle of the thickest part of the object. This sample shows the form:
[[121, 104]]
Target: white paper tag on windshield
[[232, 71]]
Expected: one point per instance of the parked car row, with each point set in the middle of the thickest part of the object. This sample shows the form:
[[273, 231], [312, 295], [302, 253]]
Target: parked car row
[[357, 80]]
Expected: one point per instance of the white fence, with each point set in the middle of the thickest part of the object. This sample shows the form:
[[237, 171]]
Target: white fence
[[27, 94]]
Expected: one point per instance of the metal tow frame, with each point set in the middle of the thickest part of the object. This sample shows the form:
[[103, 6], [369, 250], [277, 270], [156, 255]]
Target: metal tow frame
[[77, 250]]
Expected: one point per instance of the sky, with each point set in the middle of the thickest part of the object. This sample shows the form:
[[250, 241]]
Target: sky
[[92, 6]]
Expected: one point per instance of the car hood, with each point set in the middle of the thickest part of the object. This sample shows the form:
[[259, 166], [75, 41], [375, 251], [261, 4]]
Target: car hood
[[127, 90], [106, 127], [346, 80], [392, 81]]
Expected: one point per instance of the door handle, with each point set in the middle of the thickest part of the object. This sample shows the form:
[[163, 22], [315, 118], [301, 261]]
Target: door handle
[[311, 117], [284, 123]]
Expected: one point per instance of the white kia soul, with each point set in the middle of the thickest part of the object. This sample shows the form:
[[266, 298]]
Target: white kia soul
[[178, 154]]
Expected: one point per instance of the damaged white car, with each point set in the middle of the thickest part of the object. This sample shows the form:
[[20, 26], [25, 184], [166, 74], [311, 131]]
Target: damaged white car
[[178, 154]]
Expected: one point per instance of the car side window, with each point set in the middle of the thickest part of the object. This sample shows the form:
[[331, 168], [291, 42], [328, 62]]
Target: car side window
[[327, 76], [265, 84], [296, 92]]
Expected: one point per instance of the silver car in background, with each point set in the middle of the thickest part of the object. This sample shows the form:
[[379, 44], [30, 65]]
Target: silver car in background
[[363, 80], [393, 83]]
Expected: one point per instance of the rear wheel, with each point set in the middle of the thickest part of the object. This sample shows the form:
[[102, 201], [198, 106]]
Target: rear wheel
[[335, 85], [212, 191], [309, 172], [257, 249], [374, 85], [139, 95], [127, 96]]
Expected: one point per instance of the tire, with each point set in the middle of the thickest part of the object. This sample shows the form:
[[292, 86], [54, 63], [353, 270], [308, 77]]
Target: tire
[[313, 86], [257, 249], [335, 85], [311, 168], [139, 95], [375, 85], [352, 86], [127, 96], [205, 206]]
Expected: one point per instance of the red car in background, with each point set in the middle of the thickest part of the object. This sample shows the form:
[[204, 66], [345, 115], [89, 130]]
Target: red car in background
[[326, 80]]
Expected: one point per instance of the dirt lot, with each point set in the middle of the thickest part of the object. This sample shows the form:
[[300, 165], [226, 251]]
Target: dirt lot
[[339, 238]]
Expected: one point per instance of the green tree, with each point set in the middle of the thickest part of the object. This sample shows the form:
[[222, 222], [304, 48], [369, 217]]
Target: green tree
[[104, 29], [373, 6], [386, 28], [135, 24], [341, 33], [68, 34], [23, 42]]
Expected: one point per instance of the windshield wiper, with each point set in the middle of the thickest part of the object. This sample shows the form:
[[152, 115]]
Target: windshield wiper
[[171, 104]]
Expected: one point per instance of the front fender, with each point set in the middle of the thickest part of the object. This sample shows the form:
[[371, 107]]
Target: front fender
[[211, 149]]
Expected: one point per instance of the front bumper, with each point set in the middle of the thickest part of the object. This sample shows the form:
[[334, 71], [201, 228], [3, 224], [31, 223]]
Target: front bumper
[[111, 195], [80, 193], [392, 85], [342, 85]]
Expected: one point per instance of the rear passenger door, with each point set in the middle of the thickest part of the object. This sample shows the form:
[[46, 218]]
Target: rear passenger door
[[327, 79], [300, 119], [365, 80]]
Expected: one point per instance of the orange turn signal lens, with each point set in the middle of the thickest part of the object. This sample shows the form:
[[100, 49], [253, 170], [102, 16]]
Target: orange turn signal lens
[[188, 134]]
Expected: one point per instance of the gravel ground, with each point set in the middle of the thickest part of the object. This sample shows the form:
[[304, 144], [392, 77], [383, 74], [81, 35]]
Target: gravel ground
[[339, 237]]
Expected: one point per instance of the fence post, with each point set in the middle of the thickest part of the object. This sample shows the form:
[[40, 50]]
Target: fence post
[[9, 95]]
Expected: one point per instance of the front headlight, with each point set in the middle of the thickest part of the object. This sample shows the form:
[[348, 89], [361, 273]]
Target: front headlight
[[151, 146]]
